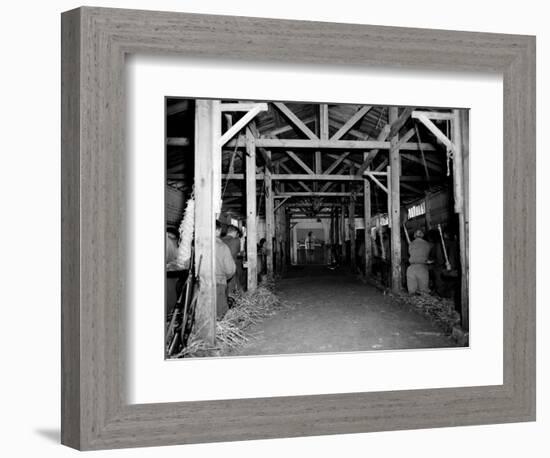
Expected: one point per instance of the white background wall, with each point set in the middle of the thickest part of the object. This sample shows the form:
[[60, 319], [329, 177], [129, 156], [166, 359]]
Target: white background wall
[[30, 227]]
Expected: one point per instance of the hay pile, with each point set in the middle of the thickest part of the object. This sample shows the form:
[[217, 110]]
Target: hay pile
[[441, 311], [248, 308]]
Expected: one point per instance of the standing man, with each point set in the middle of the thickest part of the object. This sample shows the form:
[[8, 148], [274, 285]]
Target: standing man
[[233, 242], [225, 269], [418, 277], [310, 247]]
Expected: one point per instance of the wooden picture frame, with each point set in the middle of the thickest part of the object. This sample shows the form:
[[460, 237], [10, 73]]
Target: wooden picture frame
[[95, 413]]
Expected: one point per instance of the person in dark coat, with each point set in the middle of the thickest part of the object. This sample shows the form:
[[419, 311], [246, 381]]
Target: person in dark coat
[[233, 242], [225, 269]]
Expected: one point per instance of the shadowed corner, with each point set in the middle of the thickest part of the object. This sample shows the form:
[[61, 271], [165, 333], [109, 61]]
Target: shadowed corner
[[53, 435]]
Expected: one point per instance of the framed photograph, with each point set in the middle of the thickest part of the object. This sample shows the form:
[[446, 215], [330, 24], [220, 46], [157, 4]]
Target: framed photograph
[[283, 228]]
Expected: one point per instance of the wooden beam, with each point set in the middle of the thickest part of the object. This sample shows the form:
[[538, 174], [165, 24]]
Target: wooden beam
[[343, 231], [327, 185], [293, 143], [391, 129], [295, 120], [428, 164], [235, 128], [315, 177], [460, 142], [177, 107], [177, 141], [351, 122], [405, 138], [323, 177], [397, 124], [395, 214], [381, 166], [323, 121], [251, 234], [434, 130], [437, 115], [244, 106], [372, 176], [412, 188], [269, 221], [300, 162], [206, 139], [301, 183], [351, 223], [353, 132], [336, 163], [287, 128], [367, 259], [313, 194], [282, 201], [266, 155]]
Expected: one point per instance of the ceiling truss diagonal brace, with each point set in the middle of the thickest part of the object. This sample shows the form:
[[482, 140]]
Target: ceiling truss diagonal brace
[[249, 116], [423, 118]]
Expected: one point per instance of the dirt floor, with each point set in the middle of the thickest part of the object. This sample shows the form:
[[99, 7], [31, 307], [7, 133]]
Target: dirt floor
[[329, 311]]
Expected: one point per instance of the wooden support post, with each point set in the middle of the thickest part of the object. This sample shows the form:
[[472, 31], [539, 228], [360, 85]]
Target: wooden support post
[[207, 153], [428, 209], [343, 231], [269, 219], [460, 142], [251, 234], [287, 259], [367, 260], [318, 168], [279, 237], [323, 121], [388, 194], [395, 216], [351, 223]]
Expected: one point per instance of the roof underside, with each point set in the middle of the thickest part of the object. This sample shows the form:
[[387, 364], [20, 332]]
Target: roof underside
[[420, 174]]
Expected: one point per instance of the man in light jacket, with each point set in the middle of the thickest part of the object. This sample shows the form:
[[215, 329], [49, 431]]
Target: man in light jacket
[[417, 273], [225, 269]]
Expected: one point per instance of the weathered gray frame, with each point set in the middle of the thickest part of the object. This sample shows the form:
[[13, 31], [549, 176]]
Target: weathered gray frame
[[95, 414]]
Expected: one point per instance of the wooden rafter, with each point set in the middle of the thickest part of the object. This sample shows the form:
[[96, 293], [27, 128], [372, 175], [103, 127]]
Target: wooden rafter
[[429, 164], [329, 144], [437, 115], [177, 141], [421, 116], [295, 120], [234, 129], [348, 160], [389, 130], [177, 107], [336, 162], [372, 176], [353, 132], [301, 163], [323, 121], [287, 128], [326, 186], [351, 122], [301, 183], [411, 188], [244, 106], [315, 194], [331, 179]]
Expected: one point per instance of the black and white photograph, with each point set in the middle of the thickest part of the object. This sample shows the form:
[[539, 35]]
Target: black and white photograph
[[330, 227]]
